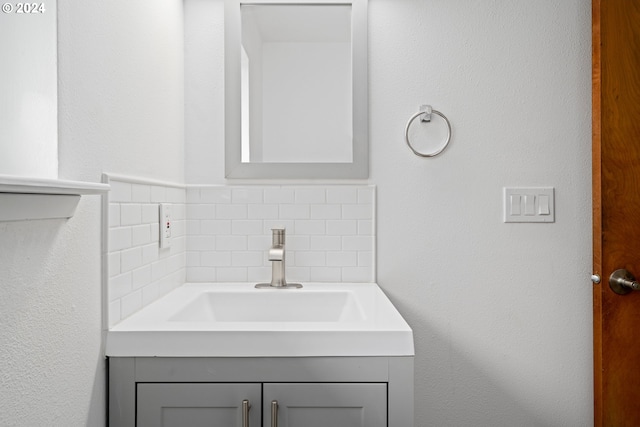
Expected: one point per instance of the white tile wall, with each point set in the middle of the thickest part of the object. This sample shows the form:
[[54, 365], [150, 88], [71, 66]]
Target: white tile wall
[[222, 234], [138, 271], [330, 232]]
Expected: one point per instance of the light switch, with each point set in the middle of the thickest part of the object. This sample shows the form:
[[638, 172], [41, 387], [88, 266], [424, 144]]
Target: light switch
[[529, 204], [543, 205], [516, 203]]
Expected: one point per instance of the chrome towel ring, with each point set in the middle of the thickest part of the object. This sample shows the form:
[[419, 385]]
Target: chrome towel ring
[[426, 111]]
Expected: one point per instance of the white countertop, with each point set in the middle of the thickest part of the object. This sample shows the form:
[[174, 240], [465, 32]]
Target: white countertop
[[187, 323]]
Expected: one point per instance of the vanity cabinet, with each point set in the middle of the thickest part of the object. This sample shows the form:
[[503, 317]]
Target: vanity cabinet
[[291, 404], [195, 405], [308, 391]]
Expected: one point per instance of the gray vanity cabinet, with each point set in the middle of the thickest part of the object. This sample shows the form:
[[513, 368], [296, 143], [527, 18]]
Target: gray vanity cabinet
[[303, 392], [195, 405], [321, 405], [293, 404]]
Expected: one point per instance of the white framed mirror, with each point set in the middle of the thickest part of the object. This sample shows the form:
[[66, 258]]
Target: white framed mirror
[[296, 97]]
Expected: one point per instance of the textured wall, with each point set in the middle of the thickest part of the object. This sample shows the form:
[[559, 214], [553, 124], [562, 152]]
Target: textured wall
[[204, 91], [120, 94], [28, 84], [501, 312], [52, 370]]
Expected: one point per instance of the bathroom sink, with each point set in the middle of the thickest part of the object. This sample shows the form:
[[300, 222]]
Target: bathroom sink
[[271, 305], [237, 320]]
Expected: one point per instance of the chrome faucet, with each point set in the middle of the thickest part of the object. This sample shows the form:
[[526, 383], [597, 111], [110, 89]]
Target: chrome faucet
[[276, 256]]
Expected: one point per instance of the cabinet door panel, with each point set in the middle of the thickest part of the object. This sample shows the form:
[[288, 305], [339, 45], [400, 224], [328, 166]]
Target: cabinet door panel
[[196, 405], [321, 405]]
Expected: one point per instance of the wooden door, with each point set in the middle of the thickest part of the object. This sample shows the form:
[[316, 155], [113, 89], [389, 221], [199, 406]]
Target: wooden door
[[323, 404], [196, 404], [616, 209]]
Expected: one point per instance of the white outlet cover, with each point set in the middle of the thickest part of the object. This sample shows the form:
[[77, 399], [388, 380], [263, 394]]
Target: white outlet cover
[[165, 224]]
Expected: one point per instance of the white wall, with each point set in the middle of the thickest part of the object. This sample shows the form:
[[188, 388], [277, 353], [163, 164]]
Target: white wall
[[204, 91], [122, 89], [28, 77], [120, 111], [52, 371], [501, 312]]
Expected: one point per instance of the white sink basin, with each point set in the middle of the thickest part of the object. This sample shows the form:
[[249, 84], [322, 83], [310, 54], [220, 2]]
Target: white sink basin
[[271, 306], [237, 320]]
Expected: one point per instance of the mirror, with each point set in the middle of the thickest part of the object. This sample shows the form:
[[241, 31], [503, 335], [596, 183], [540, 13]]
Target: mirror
[[293, 56], [296, 102], [29, 88]]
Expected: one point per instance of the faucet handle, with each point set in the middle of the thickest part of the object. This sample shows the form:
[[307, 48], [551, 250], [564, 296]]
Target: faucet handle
[[276, 256], [277, 236]]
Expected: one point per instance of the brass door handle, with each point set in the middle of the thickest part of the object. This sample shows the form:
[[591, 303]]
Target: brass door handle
[[622, 282]]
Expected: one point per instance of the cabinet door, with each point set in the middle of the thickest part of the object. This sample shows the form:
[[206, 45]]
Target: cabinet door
[[322, 404], [196, 404]]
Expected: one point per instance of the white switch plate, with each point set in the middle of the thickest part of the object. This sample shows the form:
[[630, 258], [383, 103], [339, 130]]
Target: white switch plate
[[165, 225], [529, 204]]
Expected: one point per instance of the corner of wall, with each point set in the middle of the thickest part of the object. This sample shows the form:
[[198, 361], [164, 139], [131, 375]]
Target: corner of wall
[[137, 271]]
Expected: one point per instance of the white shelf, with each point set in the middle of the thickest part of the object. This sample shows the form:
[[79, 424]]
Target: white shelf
[[25, 198], [27, 185]]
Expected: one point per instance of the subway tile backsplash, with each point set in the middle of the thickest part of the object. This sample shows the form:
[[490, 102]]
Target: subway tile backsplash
[[222, 234], [330, 232], [138, 271]]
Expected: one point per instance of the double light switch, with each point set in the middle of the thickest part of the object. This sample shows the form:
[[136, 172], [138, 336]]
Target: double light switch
[[530, 204]]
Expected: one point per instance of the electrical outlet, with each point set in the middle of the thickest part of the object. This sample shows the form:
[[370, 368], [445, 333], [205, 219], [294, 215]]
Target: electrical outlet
[[165, 225], [529, 204]]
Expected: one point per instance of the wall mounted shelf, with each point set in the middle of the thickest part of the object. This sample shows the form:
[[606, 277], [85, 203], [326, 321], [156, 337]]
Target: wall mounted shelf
[[26, 198]]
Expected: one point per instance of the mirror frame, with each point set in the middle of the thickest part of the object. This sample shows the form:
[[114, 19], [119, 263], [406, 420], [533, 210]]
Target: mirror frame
[[359, 167]]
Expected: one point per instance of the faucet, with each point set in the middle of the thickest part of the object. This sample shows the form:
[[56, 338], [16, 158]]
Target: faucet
[[276, 256]]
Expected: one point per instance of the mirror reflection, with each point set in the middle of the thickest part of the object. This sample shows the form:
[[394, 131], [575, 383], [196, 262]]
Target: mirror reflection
[[296, 90]]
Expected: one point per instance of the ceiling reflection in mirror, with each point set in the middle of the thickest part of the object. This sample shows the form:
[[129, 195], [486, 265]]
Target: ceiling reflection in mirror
[[296, 77]]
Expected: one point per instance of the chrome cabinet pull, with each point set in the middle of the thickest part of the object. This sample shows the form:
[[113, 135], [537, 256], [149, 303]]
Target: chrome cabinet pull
[[245, 413], [274, 413]]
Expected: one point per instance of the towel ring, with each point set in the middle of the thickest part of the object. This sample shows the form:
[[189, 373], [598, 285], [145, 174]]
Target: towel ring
[[426, 110]]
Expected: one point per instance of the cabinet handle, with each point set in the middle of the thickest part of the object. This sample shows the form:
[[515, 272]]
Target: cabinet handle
[[274, 413], [245, 413]]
